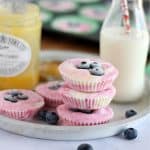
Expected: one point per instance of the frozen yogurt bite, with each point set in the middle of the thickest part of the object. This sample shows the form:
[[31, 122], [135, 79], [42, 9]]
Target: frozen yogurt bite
[[75, 117], [51, 92], [88, 75], [20, 104], [88, 101]]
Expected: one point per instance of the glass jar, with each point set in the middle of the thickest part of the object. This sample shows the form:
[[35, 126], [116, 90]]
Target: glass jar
[[20, 36], [127, 50]]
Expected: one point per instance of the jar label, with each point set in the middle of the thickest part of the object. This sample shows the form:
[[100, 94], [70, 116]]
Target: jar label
[[15, 55]]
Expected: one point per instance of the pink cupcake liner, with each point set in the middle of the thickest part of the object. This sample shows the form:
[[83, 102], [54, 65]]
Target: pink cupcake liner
[[89, 86], [71, 118], [70, 123], [90, 101], [20, 115]]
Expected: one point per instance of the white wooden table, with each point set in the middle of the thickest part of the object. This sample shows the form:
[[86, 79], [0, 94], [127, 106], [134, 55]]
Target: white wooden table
[[10, 141]]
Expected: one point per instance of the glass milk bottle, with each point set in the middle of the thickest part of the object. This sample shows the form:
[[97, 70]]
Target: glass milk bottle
[[20, 37], [124, 42]]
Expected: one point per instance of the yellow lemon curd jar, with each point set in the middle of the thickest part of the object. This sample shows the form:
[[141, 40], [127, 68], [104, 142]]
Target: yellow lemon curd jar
[[20, 36]]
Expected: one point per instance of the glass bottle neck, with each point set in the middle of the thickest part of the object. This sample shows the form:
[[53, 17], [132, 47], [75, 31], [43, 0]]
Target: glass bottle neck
[[138, 3], [131, 18]]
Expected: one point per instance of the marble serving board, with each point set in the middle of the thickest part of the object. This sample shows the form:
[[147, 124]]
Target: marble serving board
[[36, 129]]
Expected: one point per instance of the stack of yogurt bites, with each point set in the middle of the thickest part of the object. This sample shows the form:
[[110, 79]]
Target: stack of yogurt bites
[[84, 96], [87, 92]]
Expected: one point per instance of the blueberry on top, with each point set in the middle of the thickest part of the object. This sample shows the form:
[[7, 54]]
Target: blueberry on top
[[83, 65], [22, 97], [130, 134], [130, 113], [85, 147], [55, 87], [15, 93], [97, 71], [95, 64], [94, 68], [52, 118], [10, 98], [14, 96]]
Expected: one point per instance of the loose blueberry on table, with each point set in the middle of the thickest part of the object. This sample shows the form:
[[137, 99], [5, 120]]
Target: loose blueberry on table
[[42, 115], [130, 134], [130, 113], [52, 118], [49, 117], [85, 147]]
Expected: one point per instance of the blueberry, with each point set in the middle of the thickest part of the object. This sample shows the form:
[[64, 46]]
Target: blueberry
[[55, 87], [85, 147], [22, 97], [42, 115], [82, 110], [15, 93], [87, 111], [97, 71], [83, 65], [74, 110], [10, 98], [130, 113], [95, 64], [130, 134], [14, 100], [52, 118]]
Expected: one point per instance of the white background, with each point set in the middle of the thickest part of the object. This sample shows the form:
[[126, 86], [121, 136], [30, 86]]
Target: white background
[[14, 142]]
